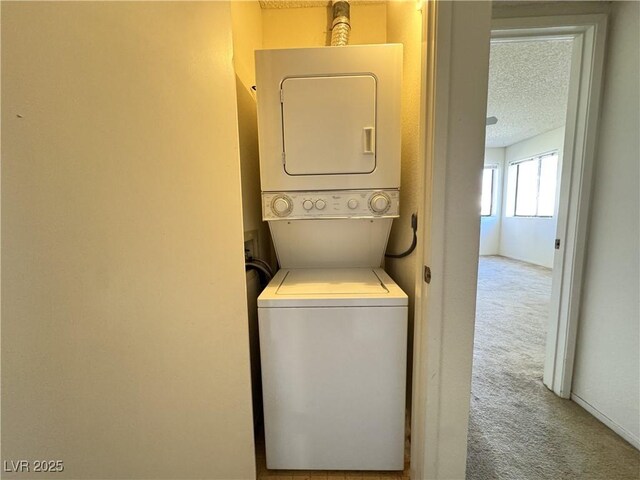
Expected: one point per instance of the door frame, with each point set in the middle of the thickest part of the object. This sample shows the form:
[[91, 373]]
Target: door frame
[[445, 307], [456, 37], [585, 87]]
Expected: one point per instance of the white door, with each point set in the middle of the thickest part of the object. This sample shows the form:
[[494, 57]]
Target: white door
[[329, 125]]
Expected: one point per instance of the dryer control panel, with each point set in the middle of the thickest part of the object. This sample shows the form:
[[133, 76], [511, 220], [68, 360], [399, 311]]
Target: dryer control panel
[[380, 203]]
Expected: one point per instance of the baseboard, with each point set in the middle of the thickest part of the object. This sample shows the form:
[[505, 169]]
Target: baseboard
[[623, 432], [522, 260]]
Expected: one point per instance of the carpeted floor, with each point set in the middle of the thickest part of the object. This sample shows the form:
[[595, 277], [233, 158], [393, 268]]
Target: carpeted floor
[[518, 429]]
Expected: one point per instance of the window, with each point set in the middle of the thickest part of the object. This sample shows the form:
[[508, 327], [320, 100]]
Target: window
[[488, 181], [531, 186]]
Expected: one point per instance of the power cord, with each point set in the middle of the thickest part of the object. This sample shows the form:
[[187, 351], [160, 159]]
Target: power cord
[[414, 242], [253, 263]]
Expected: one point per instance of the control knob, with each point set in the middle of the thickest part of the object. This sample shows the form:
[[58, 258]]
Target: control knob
[[379, 202], [307, 204], [353, 203], [320, 204], [281, 205]]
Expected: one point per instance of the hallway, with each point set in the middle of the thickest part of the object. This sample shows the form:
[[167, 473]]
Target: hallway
[[518, 429]]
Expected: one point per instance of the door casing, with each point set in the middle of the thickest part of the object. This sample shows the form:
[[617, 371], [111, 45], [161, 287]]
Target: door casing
[[445, 307]]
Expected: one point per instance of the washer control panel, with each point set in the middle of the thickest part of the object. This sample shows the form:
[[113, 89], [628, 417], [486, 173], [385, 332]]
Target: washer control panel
[[383, 203]]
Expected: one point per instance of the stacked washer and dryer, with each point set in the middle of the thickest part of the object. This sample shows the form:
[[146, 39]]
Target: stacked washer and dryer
[[333, 324]]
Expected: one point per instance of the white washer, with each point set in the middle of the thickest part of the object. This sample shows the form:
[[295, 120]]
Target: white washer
[[333, 353]]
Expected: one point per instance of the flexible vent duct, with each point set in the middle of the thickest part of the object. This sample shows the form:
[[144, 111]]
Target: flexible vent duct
[[340, 27]]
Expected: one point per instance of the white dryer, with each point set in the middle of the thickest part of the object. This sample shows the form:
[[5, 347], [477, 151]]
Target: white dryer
[[329, 117], [333, 345]]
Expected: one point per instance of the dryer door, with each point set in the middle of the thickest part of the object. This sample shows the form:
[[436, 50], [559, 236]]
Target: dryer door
[[329, 125]]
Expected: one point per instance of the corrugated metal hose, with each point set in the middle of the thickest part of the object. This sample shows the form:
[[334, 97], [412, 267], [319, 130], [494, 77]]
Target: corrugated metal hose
[[340, 26]]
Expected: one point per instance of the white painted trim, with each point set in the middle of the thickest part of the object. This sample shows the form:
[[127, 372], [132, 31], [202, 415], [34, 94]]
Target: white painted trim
[[623, 432], [425, 401], [454, 88], [589, 34]]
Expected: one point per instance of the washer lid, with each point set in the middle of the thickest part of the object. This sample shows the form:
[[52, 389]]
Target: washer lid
[[336, 281], [332, 287]]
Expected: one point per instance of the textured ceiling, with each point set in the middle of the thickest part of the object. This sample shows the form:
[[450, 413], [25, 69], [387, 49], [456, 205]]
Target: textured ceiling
[[528, 87], [307, 4]]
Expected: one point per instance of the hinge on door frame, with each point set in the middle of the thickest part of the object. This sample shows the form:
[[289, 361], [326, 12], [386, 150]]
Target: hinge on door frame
[[557, 244], [281, 96], [284, 158], [427, 274]]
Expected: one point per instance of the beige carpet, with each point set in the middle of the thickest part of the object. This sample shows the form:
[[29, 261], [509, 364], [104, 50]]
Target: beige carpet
[[519, 429]]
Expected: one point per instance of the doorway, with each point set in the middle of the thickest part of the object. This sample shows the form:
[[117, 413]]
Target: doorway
[[448, 305], [523, 165], [528, 167], [530, 245], [522, 178]]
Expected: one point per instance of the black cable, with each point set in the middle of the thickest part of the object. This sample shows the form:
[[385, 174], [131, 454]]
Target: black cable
[[414, 242], [261, 262], [248, 258], [260, 268]]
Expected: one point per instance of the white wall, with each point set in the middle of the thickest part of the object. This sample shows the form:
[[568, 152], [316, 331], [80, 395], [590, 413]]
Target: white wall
[[293, 27], [490, 226], [246, 19], [531, 239], [124, 319], [509, 9], [607, 370], [404, 25]]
